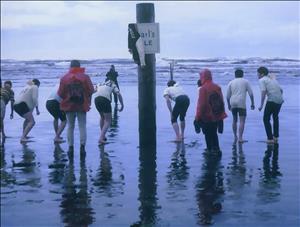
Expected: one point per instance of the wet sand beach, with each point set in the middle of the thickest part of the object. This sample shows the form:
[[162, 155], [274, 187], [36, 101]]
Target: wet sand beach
[[175, 185]]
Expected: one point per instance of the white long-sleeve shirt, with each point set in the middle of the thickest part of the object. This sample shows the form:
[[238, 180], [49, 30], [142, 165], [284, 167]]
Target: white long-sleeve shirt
[[29, 95], [236, 92]]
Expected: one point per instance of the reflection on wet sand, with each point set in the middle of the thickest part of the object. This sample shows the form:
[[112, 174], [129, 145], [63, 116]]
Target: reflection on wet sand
[[56, 174], [209, 189], [76, 201], [178, 169], [237, 173], [270, 177], [147, 188], [27, 170]]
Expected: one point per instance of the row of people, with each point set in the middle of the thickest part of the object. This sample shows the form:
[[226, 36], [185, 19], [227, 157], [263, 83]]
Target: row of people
[[210, 111], [72, 99]]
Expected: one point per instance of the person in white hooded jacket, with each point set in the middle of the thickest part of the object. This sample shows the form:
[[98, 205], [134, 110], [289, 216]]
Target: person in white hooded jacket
[[24, 105]]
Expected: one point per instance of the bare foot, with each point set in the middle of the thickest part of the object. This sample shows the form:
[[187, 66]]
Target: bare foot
[[243, 141], [270, 141], [59, 140]]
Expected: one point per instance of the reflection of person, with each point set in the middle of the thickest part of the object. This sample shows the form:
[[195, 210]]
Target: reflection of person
[[236, 100], [237, 172], [58, 165], [113, 75], [269, 190], [103, 105], [76, 90], [76, 206], [104, 179], [53, 107], [178, 167], [271, 88], [6, 96], [24, 105], [209, 189], [174, 92], [210, 110]]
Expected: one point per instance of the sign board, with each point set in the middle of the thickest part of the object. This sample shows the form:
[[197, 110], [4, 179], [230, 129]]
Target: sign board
[[149, 33]]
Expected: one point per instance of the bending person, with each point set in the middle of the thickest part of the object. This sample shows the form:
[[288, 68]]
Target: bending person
[[103, 105], [175, 93], [24, 105], [53, 107]]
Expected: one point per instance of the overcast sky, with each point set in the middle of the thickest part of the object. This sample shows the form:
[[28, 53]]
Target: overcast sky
[[95, 30]]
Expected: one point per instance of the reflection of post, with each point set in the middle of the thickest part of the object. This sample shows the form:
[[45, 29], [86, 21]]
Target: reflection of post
[[147, 81], [147, 187]]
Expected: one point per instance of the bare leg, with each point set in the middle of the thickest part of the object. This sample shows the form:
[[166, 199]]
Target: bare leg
[[176, 129], [60, 130], [55, 125], [107, 122], [101, 120], [241, 128], [29, 125], [234, 129], [182, 127]]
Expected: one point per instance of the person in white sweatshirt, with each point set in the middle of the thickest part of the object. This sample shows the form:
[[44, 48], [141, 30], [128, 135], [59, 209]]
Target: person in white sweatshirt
[[236, 100], [24, 105]]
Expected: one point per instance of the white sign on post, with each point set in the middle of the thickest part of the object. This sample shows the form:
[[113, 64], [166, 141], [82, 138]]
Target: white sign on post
[[149, 33]]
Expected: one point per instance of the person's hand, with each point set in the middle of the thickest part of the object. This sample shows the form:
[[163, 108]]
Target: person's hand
[[121, 108], [252, 107], [11, 116], [260, 108], [229, 107], [37, 112]]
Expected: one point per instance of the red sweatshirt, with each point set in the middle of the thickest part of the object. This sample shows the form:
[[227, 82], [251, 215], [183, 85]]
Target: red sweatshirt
[[204, 110], [63, 90]]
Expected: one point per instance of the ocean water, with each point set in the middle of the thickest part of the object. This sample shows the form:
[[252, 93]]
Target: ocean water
[[120, 184]]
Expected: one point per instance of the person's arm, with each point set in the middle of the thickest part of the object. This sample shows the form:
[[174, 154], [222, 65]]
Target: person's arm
[[200, 104], [12, 101], [121, 101], [12, 109], [35, 97], [263, 96], [228, 95], [169, 104], [250, 92]]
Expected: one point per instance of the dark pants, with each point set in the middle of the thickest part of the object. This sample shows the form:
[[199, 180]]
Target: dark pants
[[273, 109], [211, 136], [115, 95]]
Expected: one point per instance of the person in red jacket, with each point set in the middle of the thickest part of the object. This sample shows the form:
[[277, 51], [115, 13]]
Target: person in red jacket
[[76, 90], [210, 109]]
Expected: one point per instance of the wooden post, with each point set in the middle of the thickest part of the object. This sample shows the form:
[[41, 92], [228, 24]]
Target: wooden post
[[147, 83]]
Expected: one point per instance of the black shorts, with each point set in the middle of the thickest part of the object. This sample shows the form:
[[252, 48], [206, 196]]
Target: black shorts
[[21, 108], [182, 103], [102, 104], [241, 111], [54, 109]]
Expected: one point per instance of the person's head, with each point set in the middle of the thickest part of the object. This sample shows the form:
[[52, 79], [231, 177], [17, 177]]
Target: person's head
[[239, 73], [205, 75], [262, 71], [36, 82], [112, 68], [8, 84], [74, 64], [171, 83]]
